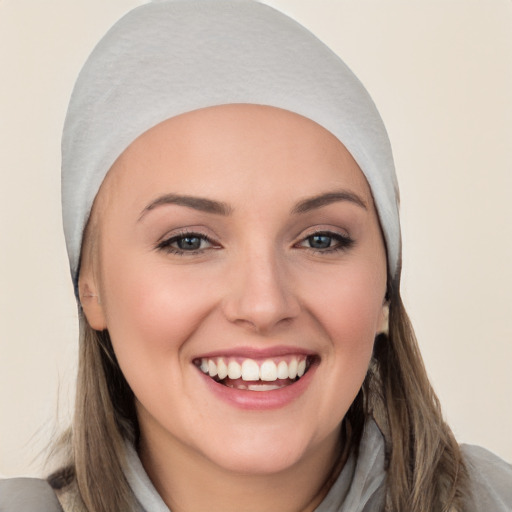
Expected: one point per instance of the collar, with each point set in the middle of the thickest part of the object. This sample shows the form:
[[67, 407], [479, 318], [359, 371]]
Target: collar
[[358, 488]]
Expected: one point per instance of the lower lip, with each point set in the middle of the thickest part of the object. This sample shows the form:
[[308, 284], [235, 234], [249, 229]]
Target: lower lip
[[260, 400]]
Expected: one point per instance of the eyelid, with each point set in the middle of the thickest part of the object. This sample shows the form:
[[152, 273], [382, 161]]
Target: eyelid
[[345, 241], [324, 228], [165, 243]]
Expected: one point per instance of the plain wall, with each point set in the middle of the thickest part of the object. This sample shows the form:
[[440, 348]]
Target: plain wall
[[440, 73]]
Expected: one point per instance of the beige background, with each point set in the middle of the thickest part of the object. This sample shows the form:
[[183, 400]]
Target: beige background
[[441, 75]]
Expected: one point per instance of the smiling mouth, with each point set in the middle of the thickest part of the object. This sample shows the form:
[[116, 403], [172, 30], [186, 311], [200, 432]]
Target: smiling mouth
[[254, 374]]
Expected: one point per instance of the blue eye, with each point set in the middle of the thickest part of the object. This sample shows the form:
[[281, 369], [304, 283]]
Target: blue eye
[[320, 241], [185, 243], [327, 242], [189, 243]]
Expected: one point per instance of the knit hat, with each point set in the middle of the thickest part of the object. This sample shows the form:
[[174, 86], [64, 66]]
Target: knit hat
[[169, 57]]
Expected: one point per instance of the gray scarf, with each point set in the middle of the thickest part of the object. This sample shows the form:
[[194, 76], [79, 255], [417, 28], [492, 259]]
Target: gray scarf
[[358, 488]]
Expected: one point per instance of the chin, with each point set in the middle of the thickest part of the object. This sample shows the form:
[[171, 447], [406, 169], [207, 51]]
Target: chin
[[258, 453], [257, 462]]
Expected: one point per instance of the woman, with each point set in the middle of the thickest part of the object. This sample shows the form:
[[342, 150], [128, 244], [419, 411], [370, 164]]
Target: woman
[[235, 270]]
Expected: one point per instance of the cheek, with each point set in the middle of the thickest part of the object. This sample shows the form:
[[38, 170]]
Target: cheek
[[151, 314], [347, 305], [152, 310]]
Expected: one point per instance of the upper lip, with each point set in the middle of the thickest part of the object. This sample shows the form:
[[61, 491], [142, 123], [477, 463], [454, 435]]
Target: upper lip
[[257, 352]]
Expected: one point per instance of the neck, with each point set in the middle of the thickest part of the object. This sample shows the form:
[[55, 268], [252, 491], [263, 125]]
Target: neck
[[187, 481]]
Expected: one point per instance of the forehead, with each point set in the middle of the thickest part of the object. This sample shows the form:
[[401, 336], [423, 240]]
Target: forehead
[[229, 149]]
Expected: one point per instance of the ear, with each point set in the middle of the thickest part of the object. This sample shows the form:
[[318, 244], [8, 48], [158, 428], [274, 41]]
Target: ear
[[383, 325], [90, 300]]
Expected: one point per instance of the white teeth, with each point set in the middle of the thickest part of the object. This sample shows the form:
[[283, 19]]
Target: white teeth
[[301, 368], [212, 368], [222, 369], [250, 370], [263, 387], [268, 371], [234, 370], [282, 370], [292, 369]]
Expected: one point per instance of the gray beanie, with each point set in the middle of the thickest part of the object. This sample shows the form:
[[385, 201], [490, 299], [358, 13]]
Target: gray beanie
[[169, 57]]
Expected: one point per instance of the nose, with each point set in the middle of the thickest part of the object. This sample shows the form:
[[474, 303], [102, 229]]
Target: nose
[[260, 294]]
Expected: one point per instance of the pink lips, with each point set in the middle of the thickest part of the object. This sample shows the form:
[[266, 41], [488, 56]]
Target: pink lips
[[259, 400], [258, 353]]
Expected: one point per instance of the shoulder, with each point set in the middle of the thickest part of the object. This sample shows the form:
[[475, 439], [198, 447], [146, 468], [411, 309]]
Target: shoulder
[[490, 478], [27, 495]]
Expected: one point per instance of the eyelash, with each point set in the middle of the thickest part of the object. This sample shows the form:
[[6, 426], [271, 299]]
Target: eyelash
[[166, 245], [343, 243]]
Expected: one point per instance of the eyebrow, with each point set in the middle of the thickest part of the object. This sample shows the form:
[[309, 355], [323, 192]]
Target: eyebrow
[[197, 203], [320, 200], [219, 208]]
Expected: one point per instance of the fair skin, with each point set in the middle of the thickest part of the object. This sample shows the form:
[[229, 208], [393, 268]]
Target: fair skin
[[238, 233]]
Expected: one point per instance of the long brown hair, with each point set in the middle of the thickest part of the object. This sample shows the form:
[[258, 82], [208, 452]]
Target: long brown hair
[[425, 470]]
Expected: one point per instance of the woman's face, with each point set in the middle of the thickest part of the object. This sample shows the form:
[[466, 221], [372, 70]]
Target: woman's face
[[242, 240]]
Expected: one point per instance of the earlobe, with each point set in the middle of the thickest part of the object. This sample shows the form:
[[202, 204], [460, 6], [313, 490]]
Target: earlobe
[[91, 305], [383, 326]]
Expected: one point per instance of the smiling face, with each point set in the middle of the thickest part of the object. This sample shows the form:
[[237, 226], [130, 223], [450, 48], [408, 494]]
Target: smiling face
[[241, 274]]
